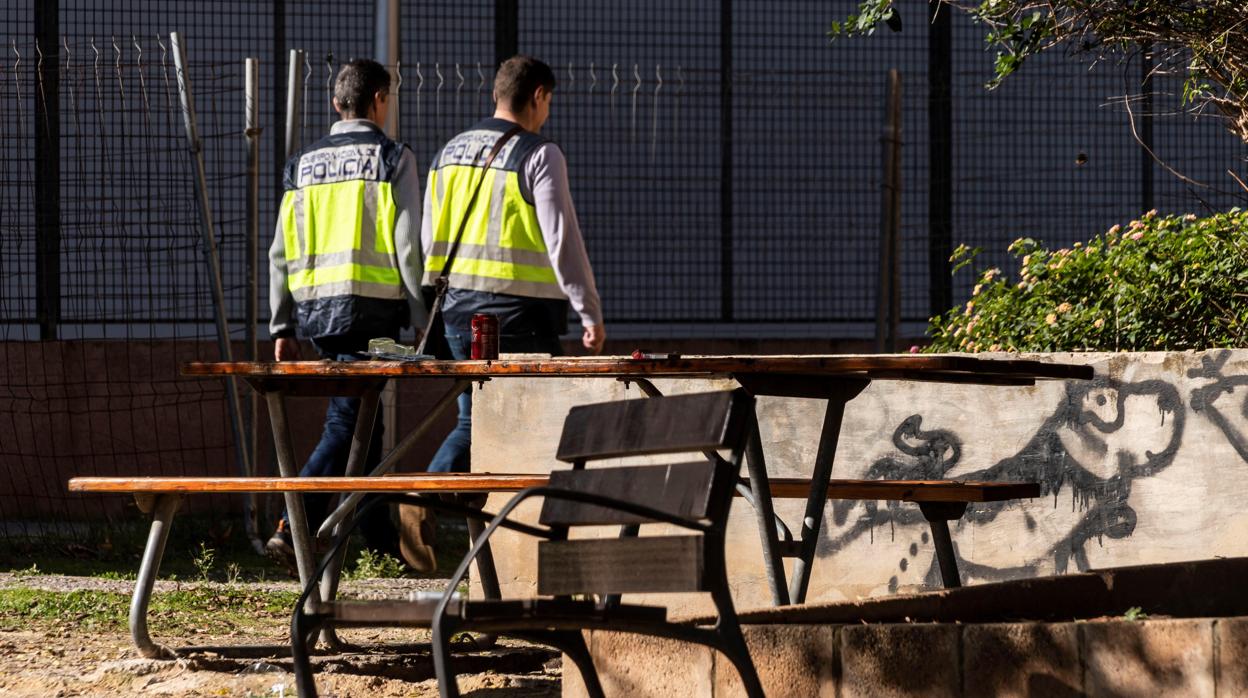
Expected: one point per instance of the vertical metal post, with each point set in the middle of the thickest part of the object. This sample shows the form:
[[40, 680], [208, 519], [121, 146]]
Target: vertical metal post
[[888, 291], [386, 52], [726, 270], [210, 251], [940, 156], [1147, 200], [506, 29], [251, 132], [47, 171], [279, 92], [294, 100]]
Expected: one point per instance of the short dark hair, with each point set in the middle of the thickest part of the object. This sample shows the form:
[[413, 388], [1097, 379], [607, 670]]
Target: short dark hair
[[357, 83], [518, 78]]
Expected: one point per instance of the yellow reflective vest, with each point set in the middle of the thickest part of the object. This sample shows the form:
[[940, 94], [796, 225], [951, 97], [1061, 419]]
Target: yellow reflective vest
[[502, 250], [338, 217]]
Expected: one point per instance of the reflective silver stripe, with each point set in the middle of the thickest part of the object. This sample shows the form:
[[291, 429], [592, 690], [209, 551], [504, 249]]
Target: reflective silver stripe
[[348, 288], [333, 259], [301, 222], [494, 228], [493, 254], [439, 181], [530, 289], [368, 218]]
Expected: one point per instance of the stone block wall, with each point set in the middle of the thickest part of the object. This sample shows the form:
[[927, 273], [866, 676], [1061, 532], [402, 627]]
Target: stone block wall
[[1144, 464]]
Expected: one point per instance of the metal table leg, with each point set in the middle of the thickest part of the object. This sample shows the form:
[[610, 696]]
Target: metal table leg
[[764, 511], [485, 562], [843, 392], [358, 455], [162, 516], [305, 559]]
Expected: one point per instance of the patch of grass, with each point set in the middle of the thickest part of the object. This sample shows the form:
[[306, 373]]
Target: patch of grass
[[1135, 613], [193, 609], [371, 565], [204, 561]]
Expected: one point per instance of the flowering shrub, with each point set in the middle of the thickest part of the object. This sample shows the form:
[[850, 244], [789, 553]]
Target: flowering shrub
[[1160, 283]]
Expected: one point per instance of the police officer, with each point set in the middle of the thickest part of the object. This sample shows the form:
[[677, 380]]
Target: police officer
[[521, 256], [344, 267]]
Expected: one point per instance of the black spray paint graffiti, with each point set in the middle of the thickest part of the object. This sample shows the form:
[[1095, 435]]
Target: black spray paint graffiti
[[1204, 398], [1069, 453]]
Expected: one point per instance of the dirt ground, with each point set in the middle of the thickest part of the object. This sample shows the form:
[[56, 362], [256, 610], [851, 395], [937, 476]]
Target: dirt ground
[[65, 659]]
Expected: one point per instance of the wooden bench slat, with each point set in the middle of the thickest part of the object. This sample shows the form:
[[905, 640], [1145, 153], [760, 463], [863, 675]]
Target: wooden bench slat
[[781, 488], [620, 565], [675, 424], [439, 482], [680, 489]]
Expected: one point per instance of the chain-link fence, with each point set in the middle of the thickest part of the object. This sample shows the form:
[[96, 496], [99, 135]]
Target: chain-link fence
[[726, 162]]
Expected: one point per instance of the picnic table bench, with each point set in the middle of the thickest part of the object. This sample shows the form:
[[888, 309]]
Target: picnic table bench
[[160, 497]]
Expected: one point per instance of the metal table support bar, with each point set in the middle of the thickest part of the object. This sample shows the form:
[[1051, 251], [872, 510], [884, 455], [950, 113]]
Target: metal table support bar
[[843, 391], [295, 513], [773, 561], [358, 455]]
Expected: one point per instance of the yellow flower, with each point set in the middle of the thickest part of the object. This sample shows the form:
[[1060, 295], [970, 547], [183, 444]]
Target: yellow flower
[[1064, 308], [1050, 319], [1099, 323], [975, 291]]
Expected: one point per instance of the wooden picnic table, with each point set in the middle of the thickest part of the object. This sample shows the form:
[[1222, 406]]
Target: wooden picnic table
[[834, 378]]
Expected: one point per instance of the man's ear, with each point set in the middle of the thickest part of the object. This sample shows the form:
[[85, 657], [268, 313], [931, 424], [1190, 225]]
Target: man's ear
[[337, 106]]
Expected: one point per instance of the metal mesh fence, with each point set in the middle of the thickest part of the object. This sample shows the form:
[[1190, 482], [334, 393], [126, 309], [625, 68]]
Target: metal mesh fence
[[726, 162]]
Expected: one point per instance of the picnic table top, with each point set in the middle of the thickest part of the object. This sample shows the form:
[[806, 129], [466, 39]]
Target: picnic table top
[[940, 367]]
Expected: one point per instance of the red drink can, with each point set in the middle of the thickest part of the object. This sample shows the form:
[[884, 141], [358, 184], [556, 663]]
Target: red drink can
[[484, 336]]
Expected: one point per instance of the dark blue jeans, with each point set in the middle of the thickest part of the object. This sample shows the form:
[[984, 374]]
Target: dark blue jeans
[[454, 456], [329, 459]]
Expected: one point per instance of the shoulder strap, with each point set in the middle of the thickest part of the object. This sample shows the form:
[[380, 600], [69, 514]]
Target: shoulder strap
[[472, 200], [443, 280]]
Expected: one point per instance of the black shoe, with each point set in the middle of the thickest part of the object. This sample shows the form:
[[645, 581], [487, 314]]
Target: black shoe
[[281, 548]]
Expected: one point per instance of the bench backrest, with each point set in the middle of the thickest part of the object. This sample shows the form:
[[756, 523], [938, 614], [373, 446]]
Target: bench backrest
[[697, 490]]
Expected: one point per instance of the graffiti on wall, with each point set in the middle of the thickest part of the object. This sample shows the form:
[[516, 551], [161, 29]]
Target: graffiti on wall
[[1081, 454]]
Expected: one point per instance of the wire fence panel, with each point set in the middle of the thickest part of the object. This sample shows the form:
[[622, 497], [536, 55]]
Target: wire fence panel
[[725, 159]]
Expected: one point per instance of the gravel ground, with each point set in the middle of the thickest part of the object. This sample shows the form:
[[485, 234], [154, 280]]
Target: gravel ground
[[63, 659]]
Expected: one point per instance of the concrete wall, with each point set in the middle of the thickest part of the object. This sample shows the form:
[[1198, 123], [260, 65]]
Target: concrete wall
[[1147, 463]]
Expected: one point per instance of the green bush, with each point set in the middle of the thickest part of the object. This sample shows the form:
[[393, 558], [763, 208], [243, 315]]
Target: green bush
[[1160, 283]]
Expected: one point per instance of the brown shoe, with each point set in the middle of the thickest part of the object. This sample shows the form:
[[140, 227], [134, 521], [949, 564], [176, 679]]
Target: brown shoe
[[416, 532], [281, 548]]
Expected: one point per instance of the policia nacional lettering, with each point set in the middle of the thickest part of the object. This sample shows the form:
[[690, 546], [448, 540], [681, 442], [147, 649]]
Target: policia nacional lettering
[[338, 216]]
